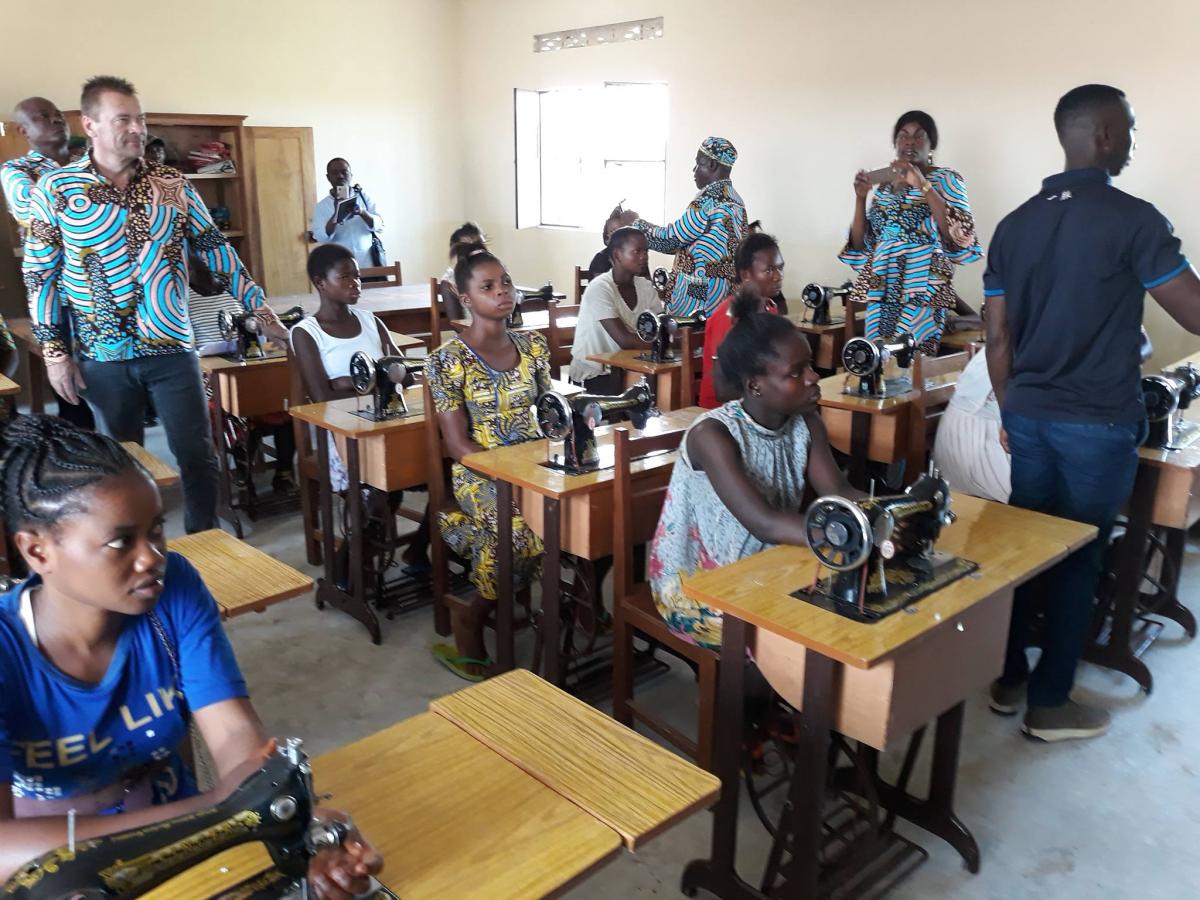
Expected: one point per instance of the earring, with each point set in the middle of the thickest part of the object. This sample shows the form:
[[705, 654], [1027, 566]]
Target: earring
[[931, 157]]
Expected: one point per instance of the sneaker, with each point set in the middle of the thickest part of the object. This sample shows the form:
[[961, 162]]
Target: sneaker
[[1071, 721], [1006, 699]]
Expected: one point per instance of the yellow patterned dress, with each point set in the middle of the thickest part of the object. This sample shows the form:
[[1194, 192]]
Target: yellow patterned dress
[[498, 408]]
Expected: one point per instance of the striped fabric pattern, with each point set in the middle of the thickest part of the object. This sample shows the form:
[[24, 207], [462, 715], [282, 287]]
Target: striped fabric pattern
[[905, 269], [117, 258], [704, 240]]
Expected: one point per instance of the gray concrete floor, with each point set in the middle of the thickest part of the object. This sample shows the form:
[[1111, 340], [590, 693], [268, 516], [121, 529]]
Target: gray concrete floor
[[1117, 817]]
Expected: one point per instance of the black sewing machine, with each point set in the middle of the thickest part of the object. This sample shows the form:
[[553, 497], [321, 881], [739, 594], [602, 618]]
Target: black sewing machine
[[865, 359], [881, 549], [274, 806], [383, 379], [569, 424], [245, 327], [1166, 397], [658, 330], [817, 298], [661, 279], [515, 319]]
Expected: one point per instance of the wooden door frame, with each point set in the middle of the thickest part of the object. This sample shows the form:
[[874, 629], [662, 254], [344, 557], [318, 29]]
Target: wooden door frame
[[308, 174]]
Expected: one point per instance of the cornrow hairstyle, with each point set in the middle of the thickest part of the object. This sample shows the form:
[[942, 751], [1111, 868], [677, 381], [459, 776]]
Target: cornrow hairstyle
[[750, 344], [324, 258], [47, 465], [924, 119], [470, 257], [751, 245]]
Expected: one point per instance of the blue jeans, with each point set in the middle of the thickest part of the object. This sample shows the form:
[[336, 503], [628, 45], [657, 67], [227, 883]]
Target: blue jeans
[[117, 391], [1077, 471]]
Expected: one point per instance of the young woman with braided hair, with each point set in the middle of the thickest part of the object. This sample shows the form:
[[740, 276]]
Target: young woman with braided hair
[[107, 652]]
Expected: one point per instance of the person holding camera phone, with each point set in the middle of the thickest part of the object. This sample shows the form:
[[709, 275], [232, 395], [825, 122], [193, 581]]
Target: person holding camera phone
[[347, 216]]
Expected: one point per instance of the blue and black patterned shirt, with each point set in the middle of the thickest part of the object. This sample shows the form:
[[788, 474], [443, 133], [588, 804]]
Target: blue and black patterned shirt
[[17, 178], [117, 258]]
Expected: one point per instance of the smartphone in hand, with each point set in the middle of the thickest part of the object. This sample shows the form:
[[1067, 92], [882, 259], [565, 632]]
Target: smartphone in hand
[[885, 175]]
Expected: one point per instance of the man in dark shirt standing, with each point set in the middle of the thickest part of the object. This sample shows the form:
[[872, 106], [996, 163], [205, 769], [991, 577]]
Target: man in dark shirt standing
[[1066, 279]]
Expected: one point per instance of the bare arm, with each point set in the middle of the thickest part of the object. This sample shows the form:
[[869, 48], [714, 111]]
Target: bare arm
[[457, 435], [823, 472], [999, 347], [858, 226], [1180, 297], [620, 332]]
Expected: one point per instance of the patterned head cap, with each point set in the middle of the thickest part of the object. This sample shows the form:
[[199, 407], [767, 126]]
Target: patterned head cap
[[719, 149]]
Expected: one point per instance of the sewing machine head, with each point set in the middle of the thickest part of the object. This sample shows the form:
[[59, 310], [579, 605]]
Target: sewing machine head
[[871, 543], [244, 328], [817, 298], [384, 379], [274, 806], [865, 359], [572, 422], [1166, 397], [290, 317], [515, 318], [658, 330], [661, 279]]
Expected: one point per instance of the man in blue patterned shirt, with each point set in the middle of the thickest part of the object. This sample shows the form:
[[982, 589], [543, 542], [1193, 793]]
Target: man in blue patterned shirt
[[705, 238], [108, 239]]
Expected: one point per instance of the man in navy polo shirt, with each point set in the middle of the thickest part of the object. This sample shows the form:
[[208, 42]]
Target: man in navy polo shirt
[[1066, 279]]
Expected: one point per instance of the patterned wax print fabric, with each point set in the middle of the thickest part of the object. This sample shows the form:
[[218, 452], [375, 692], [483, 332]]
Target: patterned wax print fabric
[[697, 532], [498, 406], [117, 258], [905, 268], [705, 241], [17, 178]]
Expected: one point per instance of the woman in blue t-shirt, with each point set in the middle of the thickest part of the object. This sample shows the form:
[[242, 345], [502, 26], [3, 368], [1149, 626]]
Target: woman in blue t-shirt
[[105, 653]]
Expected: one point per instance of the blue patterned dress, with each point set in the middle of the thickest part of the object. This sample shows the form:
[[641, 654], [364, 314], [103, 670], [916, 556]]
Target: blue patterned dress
[[905, 268]]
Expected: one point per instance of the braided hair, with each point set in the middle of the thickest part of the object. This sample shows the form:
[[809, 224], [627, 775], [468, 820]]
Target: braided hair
[[48, 463]]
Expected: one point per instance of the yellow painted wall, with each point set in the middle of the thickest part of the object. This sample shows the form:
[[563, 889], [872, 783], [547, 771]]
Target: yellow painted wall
[[808, 91], [373, 78]]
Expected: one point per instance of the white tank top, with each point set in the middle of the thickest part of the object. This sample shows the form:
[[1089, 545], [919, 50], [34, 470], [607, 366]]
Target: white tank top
[[336, 352]]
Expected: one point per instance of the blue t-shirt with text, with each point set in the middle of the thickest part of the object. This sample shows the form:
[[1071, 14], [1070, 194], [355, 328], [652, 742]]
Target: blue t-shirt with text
[[60, 737]]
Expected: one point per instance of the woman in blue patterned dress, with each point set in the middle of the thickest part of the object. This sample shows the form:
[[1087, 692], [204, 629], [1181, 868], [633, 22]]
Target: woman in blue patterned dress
[[905, 247]]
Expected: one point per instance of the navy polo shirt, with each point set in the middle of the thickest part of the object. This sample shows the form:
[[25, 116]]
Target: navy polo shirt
[[1074, 263]]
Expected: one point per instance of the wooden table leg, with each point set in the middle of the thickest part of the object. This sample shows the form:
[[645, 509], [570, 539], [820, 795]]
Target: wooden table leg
[[1117, 652], [551, 606], [37, 382], [505, 601], [666, 386], [225, 508], [718, 874], [325, 494]]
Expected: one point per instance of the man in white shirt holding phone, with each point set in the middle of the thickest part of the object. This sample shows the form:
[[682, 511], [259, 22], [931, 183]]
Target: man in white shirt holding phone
[[347, 216]]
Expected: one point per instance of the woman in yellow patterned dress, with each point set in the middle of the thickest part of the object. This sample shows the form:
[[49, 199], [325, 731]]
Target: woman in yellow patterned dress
[[484, 382]]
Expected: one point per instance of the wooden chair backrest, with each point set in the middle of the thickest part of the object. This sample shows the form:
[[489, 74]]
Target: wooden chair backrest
[[435, 315], [853, 327], [927, 408], [625, 532], [391, 273], [691, 343], [560, 348], [583, 278], [306, 454]]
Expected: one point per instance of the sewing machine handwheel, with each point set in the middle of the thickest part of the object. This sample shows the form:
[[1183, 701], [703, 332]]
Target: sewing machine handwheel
[[647, 326], [813, 296], [861, 357], [362, 373], [1160, 396], [553, 413], [225, 323], [839, 533]]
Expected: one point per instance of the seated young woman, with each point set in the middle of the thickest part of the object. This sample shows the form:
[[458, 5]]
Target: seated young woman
[[107, 652], [759, 263], [483, 383], [739, 482], [466, 235], [609, 311], [323, 344]]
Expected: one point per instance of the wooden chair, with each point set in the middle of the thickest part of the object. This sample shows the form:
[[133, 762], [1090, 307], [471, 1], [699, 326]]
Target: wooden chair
[[583, 278], [691, 350], [556, 335], [437, 318], [634, 613], [308, 471], [927, 407], [390, 274]]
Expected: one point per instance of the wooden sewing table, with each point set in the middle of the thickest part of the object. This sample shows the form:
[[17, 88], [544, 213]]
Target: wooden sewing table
[[508, 789], [1166, 498], [575, 514], [665, 378], [873, 683], [537, 320]]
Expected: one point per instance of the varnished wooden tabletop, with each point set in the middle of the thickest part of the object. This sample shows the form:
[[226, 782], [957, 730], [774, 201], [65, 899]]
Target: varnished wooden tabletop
[[521, 464], [535, 320], [380, 301], [626, 781], [240, 577], [1010, 545], [405, 342], [628, 360], [8, 387], [160, 471], [961, 340], [451, 817], [832, 395], [225, 364]]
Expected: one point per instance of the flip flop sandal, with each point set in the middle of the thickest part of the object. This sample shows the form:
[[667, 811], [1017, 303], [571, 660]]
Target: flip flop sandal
[[445, 654]]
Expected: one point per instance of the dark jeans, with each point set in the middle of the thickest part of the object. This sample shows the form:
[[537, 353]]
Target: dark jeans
[[117, 393], [1075, 471]]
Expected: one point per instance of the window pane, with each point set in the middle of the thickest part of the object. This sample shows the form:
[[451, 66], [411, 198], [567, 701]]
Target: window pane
[[528, 174], [637, 121], [642, 184], [564, 140]]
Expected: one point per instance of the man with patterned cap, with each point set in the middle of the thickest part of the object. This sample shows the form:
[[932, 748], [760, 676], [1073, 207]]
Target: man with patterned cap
[[705, 238]]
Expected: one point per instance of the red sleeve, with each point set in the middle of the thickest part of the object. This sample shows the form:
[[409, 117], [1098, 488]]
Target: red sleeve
[[715, 330]]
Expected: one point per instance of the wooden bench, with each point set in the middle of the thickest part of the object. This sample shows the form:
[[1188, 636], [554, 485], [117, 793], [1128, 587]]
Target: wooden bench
[[241, 578]]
